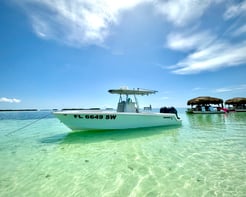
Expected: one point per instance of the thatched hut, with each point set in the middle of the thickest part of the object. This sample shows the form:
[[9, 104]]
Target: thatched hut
[[204, 100], [203, 105], [236, 104]]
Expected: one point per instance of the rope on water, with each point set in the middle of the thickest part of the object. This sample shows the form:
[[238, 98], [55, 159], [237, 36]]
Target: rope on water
[[27, 125]]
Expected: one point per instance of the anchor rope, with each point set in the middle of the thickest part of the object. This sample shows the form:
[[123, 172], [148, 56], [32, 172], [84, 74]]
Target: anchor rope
[[27, 125]]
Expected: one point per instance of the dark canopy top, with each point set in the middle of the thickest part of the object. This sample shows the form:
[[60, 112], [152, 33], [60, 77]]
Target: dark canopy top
[[236, 100], [132, 92], [203, 100]]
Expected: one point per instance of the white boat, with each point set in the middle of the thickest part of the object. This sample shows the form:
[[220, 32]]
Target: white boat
[[127, 115]]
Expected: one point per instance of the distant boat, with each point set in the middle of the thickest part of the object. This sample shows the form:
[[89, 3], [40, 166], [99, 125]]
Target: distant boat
[[237, 104], [206, 105], [127, 115]]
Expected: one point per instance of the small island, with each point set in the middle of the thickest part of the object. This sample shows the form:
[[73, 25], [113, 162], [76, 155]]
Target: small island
[[16, 110]]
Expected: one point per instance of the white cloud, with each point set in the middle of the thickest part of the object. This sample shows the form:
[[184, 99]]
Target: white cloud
[[81, 22], [77, 22], [197, 89], [237, 88], [182, 12], [216, 56], [208, 51], [235, 10], [9, 100], [164, 98], [205, 52], [186, 41], [241, 30], [219, 90]]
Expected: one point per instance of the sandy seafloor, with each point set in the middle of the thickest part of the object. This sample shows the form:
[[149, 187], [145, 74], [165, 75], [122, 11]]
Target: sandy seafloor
[[206, 156]]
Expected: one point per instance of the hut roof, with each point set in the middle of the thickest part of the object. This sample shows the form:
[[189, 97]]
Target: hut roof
[[204, 100], [236, 100]]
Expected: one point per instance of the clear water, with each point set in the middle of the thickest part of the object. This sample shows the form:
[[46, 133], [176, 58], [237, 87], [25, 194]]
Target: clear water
[[206, 156]]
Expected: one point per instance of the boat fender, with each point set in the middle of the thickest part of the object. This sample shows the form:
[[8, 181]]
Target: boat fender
[[225, 110]]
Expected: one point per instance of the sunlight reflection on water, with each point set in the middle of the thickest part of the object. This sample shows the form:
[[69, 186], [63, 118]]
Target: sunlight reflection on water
[[203, 157]]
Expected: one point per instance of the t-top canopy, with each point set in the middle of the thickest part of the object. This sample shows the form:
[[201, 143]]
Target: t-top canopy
[[137, 91]]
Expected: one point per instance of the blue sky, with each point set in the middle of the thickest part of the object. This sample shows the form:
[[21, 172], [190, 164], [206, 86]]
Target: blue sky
[[62, 53]]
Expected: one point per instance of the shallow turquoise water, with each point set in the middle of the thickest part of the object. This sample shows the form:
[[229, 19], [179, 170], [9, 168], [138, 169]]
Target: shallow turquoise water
[[206, 156]]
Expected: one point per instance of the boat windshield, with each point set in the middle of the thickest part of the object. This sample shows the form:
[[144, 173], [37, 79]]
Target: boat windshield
[[125, 103]]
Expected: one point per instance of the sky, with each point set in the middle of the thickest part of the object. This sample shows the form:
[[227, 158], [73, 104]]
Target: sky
[[62, 53]]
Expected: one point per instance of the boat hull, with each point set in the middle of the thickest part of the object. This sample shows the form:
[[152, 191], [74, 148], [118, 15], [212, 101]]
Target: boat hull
[[205, 112], [240, 110], [80, 120]]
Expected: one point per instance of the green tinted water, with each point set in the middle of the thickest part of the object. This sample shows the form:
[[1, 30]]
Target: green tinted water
[[206, 156]]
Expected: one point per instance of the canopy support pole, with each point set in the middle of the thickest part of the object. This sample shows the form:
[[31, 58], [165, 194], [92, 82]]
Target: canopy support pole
[[136, 103]]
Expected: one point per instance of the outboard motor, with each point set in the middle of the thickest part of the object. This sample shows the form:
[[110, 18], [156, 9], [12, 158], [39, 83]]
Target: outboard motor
[[164, 110], [170, 110]]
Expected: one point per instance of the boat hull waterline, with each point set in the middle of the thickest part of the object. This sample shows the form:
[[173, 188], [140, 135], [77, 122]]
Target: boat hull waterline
[[88, 120]]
